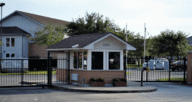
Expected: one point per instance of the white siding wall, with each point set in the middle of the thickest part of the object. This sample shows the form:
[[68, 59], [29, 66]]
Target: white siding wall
[[24, 23], [25, 47], [17, 50], [112, 44]]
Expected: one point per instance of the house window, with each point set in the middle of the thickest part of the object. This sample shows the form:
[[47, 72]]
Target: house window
[[12, 42], [7, 42], [7, 55], [12, 55]]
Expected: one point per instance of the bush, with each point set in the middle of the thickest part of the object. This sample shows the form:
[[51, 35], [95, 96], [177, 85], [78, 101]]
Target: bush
[[34, 57], [97, 80], [118, 80], [4, 71], [93, 79], [100, 80], [123, 79]]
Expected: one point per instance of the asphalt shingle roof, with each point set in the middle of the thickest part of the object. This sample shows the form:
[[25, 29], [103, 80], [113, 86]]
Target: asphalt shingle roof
[[82, 40], [44, 20], [41, 19], [13, 31]]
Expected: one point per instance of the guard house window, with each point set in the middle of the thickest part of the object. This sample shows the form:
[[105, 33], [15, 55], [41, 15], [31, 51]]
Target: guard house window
[[85, 60], [12, 42], [7, 55], [7, 42], [80, 60], [97, 60], [75, 60], [114, 60]]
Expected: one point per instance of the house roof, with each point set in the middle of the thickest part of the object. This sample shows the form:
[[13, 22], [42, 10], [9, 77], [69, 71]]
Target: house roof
[[41, 19], [82, 40], [189, 39], [13, 31]]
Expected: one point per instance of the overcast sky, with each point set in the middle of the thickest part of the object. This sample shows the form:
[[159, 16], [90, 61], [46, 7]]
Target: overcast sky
[[158, 15]]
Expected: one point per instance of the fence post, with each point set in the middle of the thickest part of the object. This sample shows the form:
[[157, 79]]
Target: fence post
[[184, 69], [69, 68], [50, 71], [170, 68], [48, 74], [125, 69], [142, 77], [21, 72], [146, 67]]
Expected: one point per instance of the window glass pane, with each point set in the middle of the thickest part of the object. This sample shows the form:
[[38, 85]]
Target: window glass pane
[[97, 60], [7, 42], [12, 42], [75, 60], [114, 60], [80, 60], [85, 60], [7, 55], [12, 55]]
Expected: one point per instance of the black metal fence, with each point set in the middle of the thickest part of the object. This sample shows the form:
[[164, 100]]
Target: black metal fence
[[28, 72], [164, 69]]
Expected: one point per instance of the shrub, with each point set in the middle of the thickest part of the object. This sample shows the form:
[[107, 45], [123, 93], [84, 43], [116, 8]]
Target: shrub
[[123, 79], [100, 80], [4, 71], [118, 80], [93, 79], [34, 57]]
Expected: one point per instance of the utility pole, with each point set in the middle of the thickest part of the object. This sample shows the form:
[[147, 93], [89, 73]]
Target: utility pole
[[1, 5], [126, 51], [126, 32], [144, 39]]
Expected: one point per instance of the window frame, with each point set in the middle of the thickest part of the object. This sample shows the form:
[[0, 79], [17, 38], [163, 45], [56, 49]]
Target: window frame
[[10, 41]]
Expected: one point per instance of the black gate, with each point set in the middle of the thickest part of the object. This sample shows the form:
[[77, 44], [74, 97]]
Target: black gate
[[162, 69], [30, 72]]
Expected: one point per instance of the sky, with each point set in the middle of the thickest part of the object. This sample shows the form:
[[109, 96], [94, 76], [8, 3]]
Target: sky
[[158, 15]]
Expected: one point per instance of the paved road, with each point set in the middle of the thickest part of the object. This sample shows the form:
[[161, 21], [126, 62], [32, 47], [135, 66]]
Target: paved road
[[153, 75], [166, 92], [14, 80]]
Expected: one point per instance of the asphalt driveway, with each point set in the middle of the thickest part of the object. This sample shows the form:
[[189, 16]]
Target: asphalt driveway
[[166, 91]]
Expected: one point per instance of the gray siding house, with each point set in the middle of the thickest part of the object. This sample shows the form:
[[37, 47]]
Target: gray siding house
[[16, 27]]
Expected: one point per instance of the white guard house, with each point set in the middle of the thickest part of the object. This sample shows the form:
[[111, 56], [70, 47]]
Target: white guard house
[[90, 55]]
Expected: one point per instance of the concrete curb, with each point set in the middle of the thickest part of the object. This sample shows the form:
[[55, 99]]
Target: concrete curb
[[104, 91]]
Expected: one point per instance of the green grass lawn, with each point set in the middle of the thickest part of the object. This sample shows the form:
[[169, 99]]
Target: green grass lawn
[[128, 73], [134, 66], [29, 73], [171, 79]]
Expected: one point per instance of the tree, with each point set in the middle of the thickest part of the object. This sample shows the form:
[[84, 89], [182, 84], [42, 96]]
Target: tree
[[169, 43], [50, 35], [92, 23], [137, 41]]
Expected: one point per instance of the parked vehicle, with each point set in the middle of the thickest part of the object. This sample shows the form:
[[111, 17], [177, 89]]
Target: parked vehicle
[[178, 65], [160, 63], [151, 64]]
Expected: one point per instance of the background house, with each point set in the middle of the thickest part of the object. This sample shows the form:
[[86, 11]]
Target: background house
[[16, 27]]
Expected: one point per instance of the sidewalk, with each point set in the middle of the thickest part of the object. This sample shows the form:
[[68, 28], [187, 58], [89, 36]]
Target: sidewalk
[[133, 87]]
